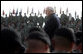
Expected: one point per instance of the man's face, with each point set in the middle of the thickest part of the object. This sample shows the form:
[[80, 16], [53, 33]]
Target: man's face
[[47, 11]]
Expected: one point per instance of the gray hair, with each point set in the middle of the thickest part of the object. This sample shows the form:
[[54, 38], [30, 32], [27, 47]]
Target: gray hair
[[50, 8]]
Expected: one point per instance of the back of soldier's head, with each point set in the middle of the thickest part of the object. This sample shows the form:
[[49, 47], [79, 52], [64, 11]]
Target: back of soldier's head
[[37, 42], [10, 41], [63, 39]]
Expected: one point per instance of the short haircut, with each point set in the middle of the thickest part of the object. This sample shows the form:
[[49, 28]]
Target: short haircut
[[63, 39], [10, 41], [66, 33], [39, 36]]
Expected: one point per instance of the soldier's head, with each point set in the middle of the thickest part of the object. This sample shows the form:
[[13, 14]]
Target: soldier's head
[[35, 14], [37, 42], [41, 14], [10, 42], [63, 40], [24, 14], [30, 14], [49, 10], [63, 12], [20, 13], [6, 15]]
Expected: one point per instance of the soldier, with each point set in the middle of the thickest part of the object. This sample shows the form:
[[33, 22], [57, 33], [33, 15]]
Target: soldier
[[78, 25], [16, 17], [35, 20], [71, 23], [64, 19], [37, 42], [11, 18], [31, 24], [25, 17], [63, 41], [20, 17], [41, 20], [6, 19]]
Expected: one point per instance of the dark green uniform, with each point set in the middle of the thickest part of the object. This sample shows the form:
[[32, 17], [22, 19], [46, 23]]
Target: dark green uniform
[[64, 19], [41, 21], [31, 24], [35, 20]]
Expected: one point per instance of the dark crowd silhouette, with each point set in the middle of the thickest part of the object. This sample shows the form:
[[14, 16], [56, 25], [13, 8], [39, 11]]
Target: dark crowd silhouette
[[22, 34]]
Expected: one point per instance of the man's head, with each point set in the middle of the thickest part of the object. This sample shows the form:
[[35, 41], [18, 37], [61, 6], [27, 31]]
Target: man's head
[[24, 14], [49, 10], [37, 42], [35, 14], [10, 42], [63, 40]]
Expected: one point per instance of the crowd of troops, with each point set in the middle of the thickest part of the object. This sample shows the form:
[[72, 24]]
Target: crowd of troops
[[23, 24], [74, 23]]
